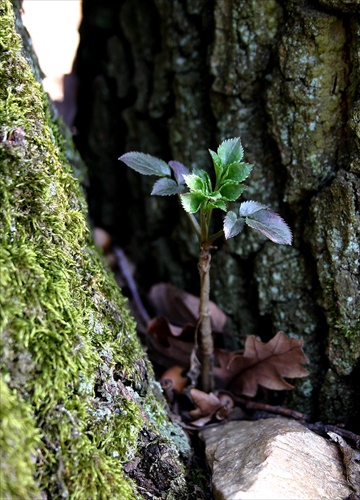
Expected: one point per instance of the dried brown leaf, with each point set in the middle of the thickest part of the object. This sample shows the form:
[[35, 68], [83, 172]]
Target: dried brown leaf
[[227, 404], [262, 364], [206, 404], [102, 239], [201, 422], [181, 307], [172, 332], [175, 375], [210, 406], [163, 329], [173, 345]]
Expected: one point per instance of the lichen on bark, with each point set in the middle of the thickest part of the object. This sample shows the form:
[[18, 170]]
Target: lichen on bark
[[305, 99], [335, 239], [311, 103], [75, 380]]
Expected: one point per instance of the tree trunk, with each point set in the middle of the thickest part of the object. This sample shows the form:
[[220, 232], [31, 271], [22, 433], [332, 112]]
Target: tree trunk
[[174, 78], [82, 415]]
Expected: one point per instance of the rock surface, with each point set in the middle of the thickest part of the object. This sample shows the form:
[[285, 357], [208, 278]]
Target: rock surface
[[275, 458]]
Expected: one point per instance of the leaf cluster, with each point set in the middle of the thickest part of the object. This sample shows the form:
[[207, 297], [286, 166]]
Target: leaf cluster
[[198, 193], [230, 172]]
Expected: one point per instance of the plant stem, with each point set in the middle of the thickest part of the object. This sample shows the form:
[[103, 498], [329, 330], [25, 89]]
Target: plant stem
[[206, 350], [195, 224], [215, 237], [203, 227], [206, 343]]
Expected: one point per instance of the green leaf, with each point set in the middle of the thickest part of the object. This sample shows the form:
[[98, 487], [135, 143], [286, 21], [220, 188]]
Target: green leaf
[[232, 225], [146, 164], [270, 224], [230, 151], [166, 187], [217, 204], [216, 159], [238, 171], [205, 177], [191, 202], [231, 191], [217, 164], [195, 183]]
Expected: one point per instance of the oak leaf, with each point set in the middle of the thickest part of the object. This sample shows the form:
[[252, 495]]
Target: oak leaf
[[181, 307], [264, 364], [172, 344], [208, 406], [171, 334]]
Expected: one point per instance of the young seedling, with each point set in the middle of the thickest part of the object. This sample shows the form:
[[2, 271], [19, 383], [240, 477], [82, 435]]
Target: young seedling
[[200, 196]]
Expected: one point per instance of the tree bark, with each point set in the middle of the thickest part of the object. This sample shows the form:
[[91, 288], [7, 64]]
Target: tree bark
[[81, 413], [174, 78]]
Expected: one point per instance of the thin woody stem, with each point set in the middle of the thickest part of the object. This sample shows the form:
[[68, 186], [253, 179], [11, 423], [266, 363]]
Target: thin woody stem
[[195, 224], [205, 350], [206, 339]]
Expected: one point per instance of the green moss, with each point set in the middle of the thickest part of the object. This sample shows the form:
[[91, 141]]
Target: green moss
[[18, 440], [65, 327]]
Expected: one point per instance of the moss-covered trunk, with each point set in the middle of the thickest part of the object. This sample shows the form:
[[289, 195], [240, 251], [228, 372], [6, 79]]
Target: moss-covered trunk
[[81, 414], [174, 78]]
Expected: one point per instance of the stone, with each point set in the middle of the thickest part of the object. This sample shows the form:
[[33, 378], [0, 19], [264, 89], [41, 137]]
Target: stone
[[275, 458]]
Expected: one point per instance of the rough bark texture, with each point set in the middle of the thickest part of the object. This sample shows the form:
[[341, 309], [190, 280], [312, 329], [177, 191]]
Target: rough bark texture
[[81, 414], [174, 78]]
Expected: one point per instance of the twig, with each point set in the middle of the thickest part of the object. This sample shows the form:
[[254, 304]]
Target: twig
[[123, 265], [323, 429], [278, 410], [317, 427], [195, 224]]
